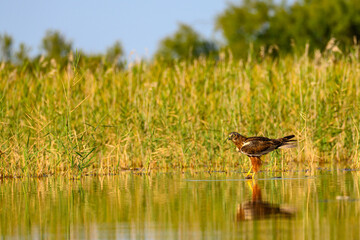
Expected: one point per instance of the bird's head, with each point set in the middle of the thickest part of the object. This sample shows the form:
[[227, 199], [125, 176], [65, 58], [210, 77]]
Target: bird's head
[[234, 136]]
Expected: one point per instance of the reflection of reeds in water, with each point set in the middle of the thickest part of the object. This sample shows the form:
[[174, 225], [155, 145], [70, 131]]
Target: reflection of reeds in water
[[257, 208], [134, 207]]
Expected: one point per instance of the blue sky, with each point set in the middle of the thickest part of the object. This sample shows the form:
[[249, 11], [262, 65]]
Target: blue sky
[[95, 25]]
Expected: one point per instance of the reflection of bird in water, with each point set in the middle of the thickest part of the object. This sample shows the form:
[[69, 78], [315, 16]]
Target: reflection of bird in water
[[255, 147], [256, 208]]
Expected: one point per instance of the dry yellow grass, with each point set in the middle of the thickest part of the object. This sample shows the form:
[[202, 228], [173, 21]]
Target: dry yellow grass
[[81, 120]]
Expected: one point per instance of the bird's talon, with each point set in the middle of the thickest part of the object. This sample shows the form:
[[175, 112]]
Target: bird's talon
[[248, 177]]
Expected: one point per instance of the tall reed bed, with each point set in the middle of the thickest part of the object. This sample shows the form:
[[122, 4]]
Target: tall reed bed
[[81, 120]]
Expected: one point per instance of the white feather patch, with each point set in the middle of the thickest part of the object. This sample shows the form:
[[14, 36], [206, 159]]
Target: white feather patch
[[246, 143], [289, 145]]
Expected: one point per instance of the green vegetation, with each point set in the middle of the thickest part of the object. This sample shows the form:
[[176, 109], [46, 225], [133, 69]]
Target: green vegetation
[[185, 44], [77, 120], [6, 43], [288, 27], [56, 47]]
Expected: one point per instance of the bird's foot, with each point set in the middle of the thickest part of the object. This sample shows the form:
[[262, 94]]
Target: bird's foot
[[248, 177]]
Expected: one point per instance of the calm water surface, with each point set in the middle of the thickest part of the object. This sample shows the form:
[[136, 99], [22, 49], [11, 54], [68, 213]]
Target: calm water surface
[[325, 205]]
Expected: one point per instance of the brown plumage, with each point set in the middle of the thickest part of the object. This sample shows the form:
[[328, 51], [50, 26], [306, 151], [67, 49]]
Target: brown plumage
[[255, 147]]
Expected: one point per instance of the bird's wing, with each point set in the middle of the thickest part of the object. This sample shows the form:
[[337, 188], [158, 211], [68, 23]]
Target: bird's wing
[[257, 146]]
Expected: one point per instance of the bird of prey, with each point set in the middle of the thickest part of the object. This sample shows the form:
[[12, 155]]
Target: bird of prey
[[255, 147]]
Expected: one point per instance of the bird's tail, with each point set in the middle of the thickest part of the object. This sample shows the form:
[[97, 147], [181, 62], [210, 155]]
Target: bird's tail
[[288, 142]]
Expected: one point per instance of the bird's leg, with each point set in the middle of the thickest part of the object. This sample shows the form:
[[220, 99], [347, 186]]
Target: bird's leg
[[249, 171], [249, 184], [248, 175]]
